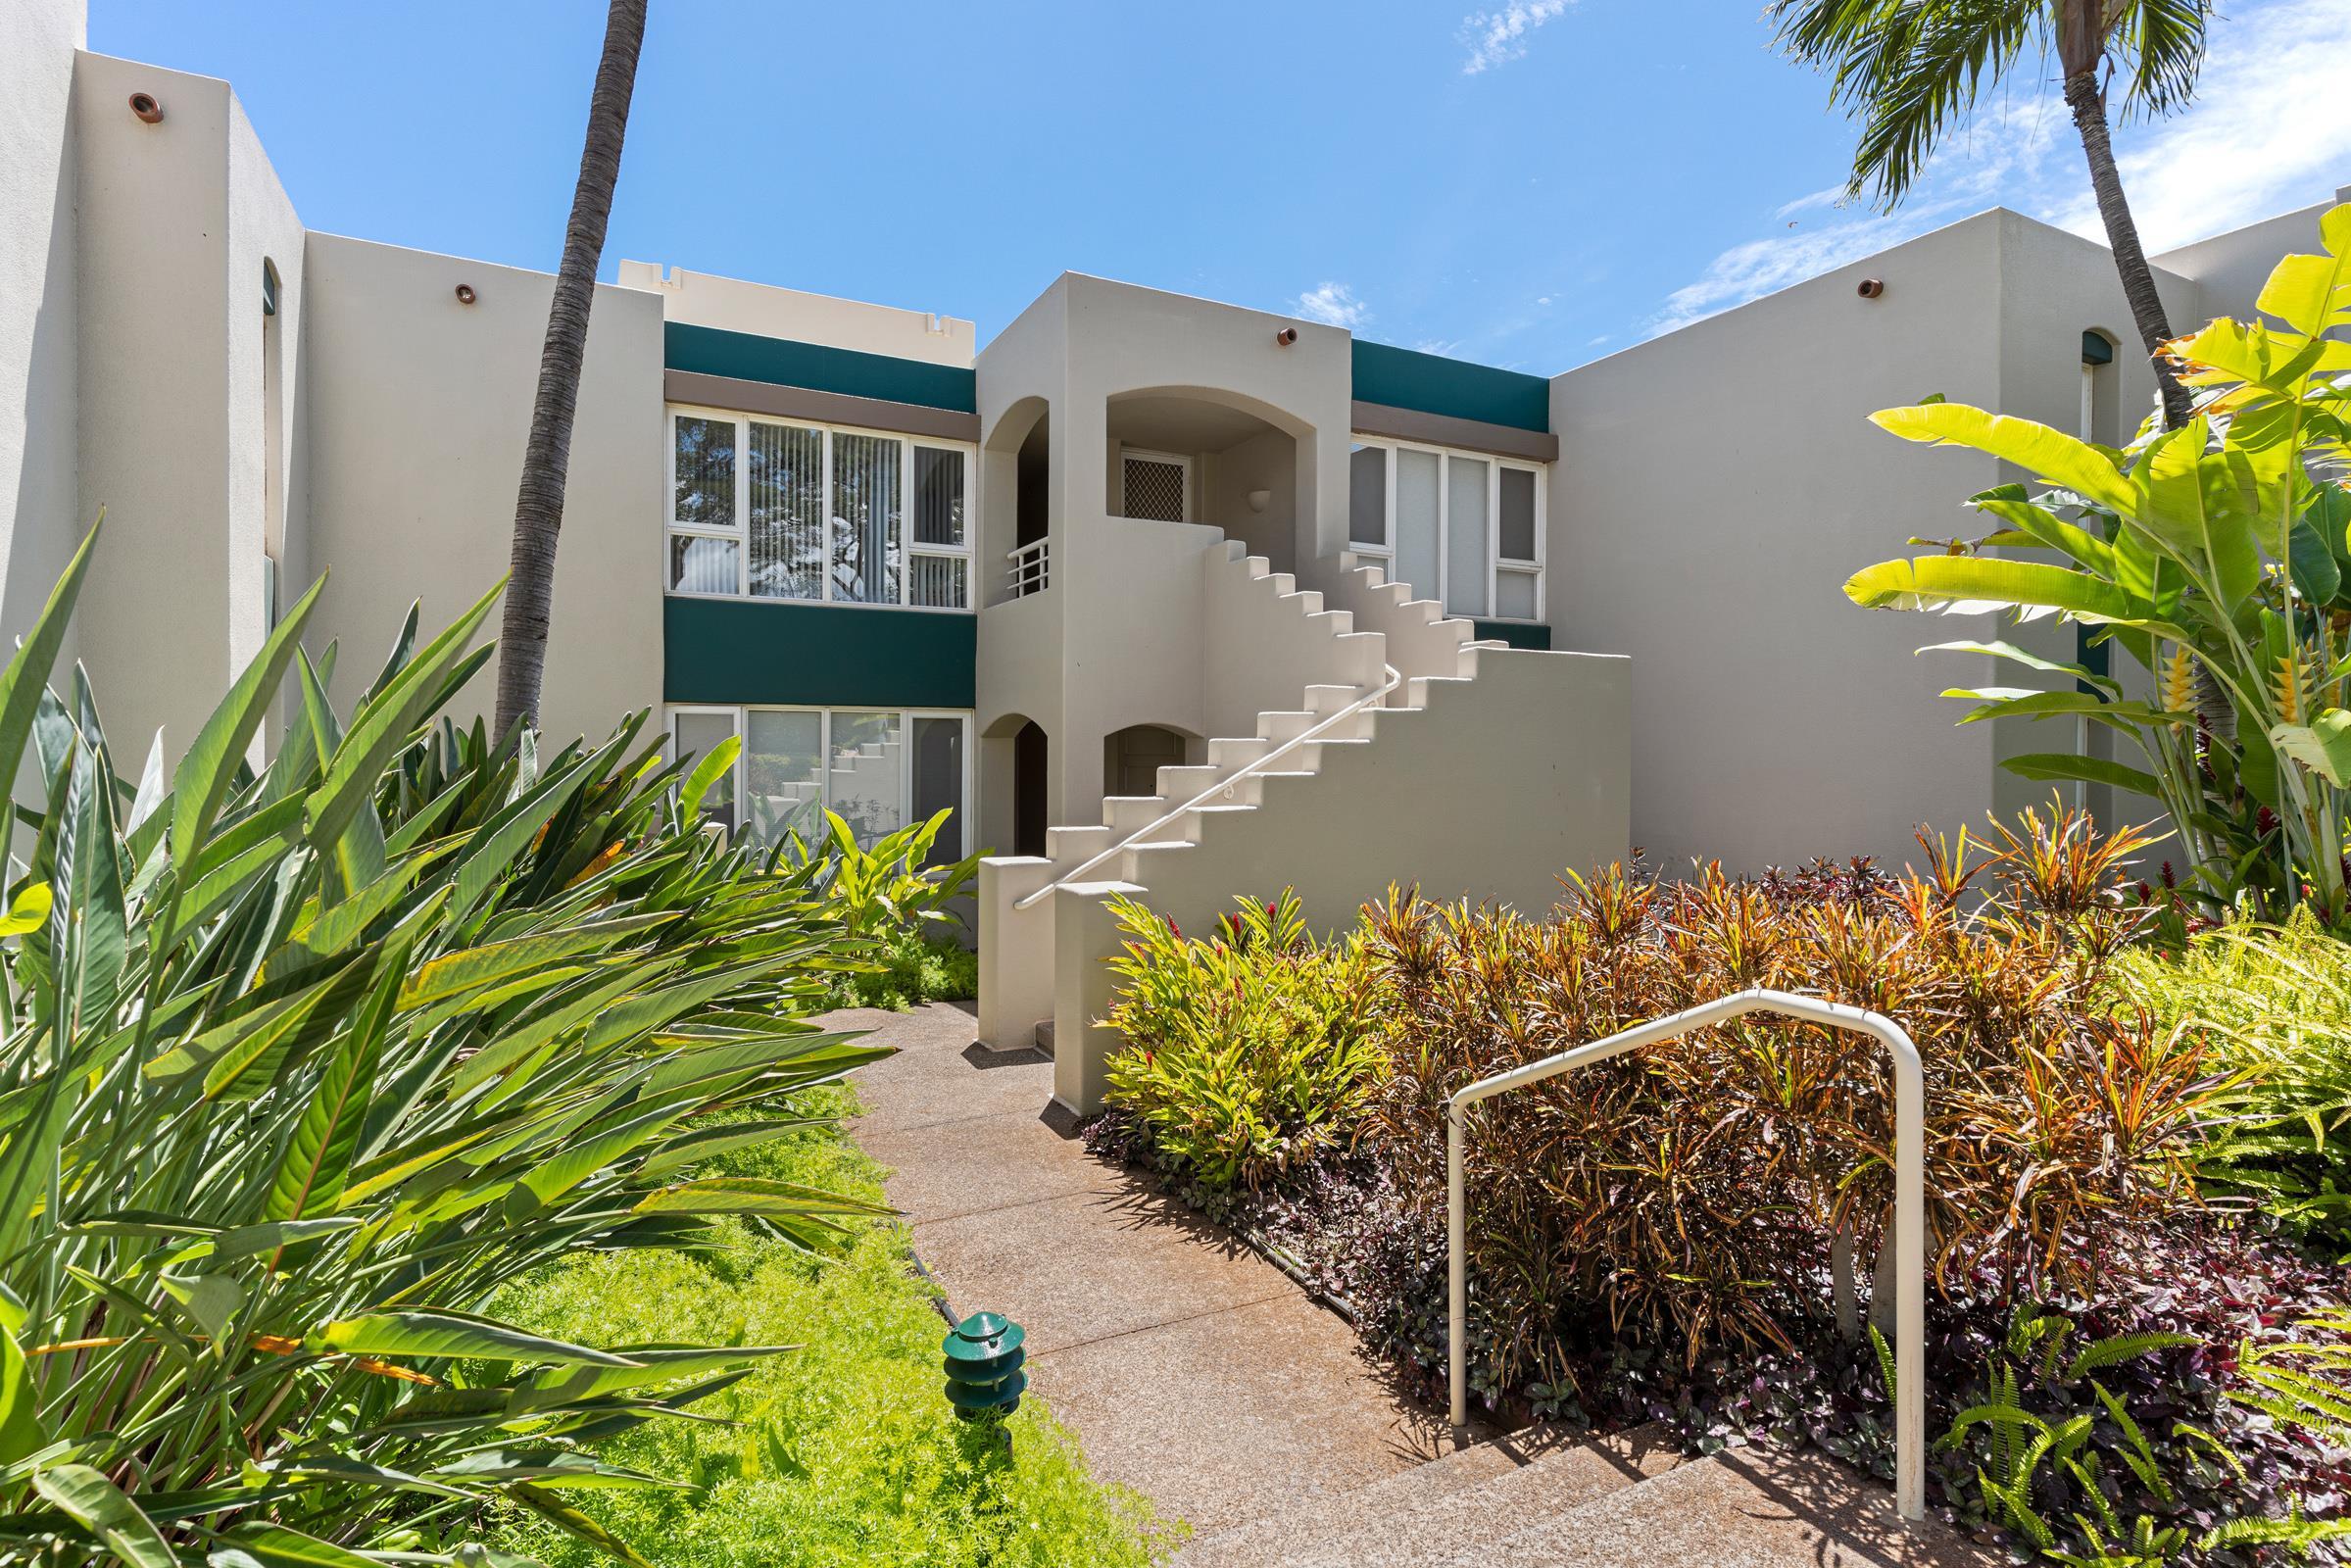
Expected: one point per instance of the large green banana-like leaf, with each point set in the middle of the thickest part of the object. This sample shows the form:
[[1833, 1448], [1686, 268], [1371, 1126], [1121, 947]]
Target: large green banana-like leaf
[[2018, 702], [656, 1364], [87, 1497], [752, 1195], [274, 1546], [204, 774], [708, 771], [2047, 453], [2312, 294], [572, 1522], [21, 1430], [2030, 659], [2041, 526], [1975, 584], [552, 1179], [2324, 745], [2193, 506], [383, 730], [473, 969], [2068, 766], [25, 681], [326, 1137], [450, 1336]]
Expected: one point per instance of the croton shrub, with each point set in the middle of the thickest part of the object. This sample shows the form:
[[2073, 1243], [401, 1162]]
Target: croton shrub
[[1710, 1186]]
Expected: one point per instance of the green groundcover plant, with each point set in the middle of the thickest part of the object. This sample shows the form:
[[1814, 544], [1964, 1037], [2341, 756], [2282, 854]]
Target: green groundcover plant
[[299, 1064], [2276, 1002], [1249, 1050], [841, 1453]]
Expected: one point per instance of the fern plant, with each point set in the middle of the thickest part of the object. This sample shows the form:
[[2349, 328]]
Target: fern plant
[[2038, 1473]]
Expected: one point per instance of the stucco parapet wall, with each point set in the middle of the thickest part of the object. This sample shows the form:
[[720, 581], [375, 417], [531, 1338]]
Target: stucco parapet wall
[[824, 408], [1443, 430]]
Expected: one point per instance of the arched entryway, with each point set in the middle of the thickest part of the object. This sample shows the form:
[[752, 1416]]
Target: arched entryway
[[1031, 770], [1132, 756], [1196, 455]]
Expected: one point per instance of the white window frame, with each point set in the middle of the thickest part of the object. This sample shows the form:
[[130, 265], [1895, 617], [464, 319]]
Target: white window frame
[[1495, 567], [740, 533], [1384, 553], [1178, 458], [739, 714]]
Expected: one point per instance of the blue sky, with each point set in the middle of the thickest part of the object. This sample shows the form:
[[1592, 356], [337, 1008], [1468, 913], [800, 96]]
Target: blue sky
[[1532, 183]]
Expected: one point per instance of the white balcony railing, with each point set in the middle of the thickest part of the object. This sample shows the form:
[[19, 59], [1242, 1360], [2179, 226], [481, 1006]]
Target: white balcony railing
[[1028, 568]]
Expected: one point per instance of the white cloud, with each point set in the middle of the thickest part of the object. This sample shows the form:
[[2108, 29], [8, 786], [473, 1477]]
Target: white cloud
[[1497, 38], [1335, 304], [1763, 267], [2265, 134], [1827, 196]]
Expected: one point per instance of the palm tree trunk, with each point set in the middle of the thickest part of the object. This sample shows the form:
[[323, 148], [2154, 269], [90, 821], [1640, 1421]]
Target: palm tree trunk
[[2089, 104], [539, 503]]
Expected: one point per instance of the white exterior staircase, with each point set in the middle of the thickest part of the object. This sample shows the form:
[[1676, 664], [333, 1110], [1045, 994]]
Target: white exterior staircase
[[1404, 759]]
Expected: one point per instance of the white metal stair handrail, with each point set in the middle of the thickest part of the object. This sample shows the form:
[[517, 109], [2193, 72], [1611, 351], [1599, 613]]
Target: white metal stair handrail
[[1028, 568], [1223, 785], [1910, 1200]]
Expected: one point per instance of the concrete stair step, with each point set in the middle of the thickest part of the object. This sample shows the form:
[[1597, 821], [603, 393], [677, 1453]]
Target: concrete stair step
[[1280, 727], [1124, 814], [1230, 752], [1454, 1509], [1327, 1517], [1067, 846], [1741, 1508], [1043, 1036]]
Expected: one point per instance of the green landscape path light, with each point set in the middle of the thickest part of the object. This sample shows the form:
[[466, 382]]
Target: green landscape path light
[[984, 1379]]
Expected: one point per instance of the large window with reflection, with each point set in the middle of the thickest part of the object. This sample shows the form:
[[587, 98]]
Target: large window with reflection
[[1465, 528], [876, 768], [777, 509]]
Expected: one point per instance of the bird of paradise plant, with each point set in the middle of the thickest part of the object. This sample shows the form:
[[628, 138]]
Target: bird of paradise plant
[[2216, 552], [300, 1062]]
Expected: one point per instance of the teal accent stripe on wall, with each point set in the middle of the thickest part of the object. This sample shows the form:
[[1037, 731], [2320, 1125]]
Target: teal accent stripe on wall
[[1406, 378], [1517, 633], [836, 656], [781, 362]]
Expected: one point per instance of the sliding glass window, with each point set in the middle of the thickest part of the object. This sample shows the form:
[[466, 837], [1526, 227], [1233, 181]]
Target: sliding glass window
[[773, 509], [1464, 528], [877, 770]]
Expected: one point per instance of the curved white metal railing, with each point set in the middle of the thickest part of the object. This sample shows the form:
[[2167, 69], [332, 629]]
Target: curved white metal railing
[[1910, 1201], [1223, 785], [1028, 570]]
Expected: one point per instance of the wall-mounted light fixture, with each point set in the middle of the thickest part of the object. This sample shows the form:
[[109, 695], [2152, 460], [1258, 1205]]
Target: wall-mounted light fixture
[[1259, 500], [145, 106], [464, 294]]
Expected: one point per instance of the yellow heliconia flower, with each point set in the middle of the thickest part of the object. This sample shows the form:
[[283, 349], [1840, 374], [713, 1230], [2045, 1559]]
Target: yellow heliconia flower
[[2179, 682], [2288, 691]]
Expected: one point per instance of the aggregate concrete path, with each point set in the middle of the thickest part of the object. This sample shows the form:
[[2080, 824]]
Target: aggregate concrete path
[[1200, 1375], [1190, 1368]]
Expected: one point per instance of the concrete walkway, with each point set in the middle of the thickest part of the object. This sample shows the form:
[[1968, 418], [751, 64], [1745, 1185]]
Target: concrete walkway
[[1190, 1368], [1201, 1376]]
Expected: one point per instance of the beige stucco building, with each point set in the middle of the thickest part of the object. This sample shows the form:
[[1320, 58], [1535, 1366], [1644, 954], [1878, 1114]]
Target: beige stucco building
[[1155, 594]]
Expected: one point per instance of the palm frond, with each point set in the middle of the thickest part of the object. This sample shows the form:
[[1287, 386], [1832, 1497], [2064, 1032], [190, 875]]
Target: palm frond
[[1910, 69]]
